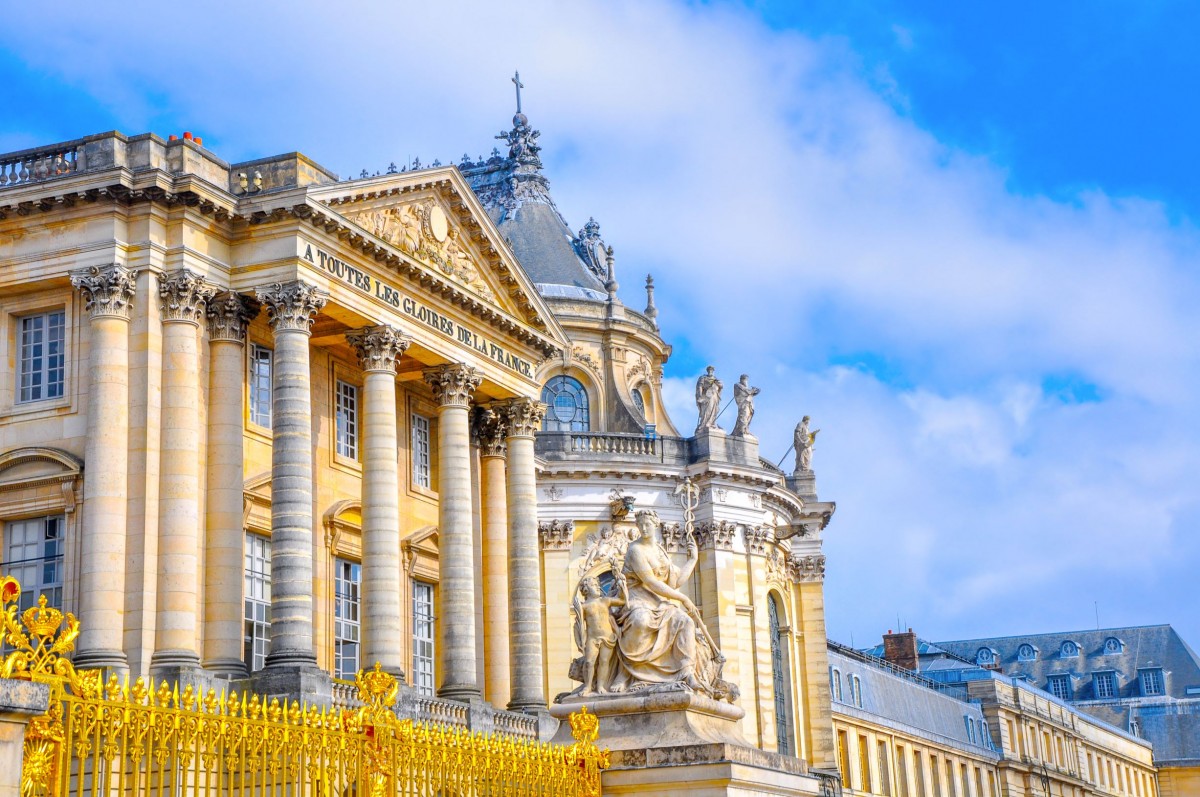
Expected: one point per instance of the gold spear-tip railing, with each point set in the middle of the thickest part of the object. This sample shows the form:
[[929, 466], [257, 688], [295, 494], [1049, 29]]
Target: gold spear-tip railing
[[154, 740]]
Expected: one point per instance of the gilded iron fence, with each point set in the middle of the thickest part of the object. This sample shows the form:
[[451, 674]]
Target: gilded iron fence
[[117, 739]]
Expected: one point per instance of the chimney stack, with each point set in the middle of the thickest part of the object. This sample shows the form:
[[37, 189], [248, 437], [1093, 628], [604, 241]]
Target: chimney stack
[[901, 649]]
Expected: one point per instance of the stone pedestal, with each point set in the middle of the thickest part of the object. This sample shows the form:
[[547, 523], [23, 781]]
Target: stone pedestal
[[742, 449], [680, 743], [20, 701], [804, 484], [290, 683], [709, 444]]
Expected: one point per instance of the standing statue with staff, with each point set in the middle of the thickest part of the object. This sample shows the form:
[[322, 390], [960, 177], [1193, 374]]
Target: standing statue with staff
[[708, 399]]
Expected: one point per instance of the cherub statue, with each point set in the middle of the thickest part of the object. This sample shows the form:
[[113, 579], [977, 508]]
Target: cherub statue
[[596, 633]]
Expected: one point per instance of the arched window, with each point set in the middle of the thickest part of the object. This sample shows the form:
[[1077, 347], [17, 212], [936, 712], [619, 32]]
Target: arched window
[[566, 403], [1112, 646], [1026, 652], [782, 715], [639, 401], [835, 684], [1069, 650], [856, 691], [985, 657]]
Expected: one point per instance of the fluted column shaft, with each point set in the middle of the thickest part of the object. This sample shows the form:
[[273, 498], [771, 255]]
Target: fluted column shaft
[[453, 386], [292, 307], [524, 418], [176, 643], [490, 431], [228, 316], [108, 292], [379, 349]]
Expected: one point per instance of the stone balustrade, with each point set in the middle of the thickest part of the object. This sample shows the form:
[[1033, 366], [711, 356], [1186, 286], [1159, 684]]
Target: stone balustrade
[[42, 163]]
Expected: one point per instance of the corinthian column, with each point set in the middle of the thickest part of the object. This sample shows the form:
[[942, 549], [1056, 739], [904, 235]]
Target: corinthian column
[[108, 292], [292, 307], [228, 316], [524, 418], [490, 431], [452, 388], [379, 349], [176, 645]]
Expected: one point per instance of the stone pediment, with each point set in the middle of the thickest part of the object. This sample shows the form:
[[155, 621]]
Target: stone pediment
[[433, 218]]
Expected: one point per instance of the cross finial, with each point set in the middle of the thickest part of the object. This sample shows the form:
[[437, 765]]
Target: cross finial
[[516, 79]]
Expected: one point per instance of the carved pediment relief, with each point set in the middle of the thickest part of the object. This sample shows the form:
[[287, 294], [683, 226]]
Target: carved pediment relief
[[423, 230]]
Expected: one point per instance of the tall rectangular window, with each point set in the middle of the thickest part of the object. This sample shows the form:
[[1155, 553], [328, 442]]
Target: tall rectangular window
[[256, 641], [346, 401], [885, 781], [978, 782], [843, 754], [1105, 685], [347, 623], [33, 554], [421, 460], [1152, 682], [951, 784], [919, 773], [966, 780], [260, 385], [423, 635], [901, 772], [42, 359], [864, 763]]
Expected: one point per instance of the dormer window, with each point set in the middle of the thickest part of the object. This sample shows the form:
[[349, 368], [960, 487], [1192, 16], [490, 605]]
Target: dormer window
[[985, 657], [1069, 650], [1026, 652], [1152, 682], [1113, 646]]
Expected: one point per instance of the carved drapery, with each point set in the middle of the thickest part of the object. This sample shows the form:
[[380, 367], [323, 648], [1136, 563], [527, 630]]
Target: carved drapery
[[556, 534], [107, 290], [184, 296], [453, 384], [229, 315], [489, 430], [716, 534], [523, 416], [292, 305], [379, 348]]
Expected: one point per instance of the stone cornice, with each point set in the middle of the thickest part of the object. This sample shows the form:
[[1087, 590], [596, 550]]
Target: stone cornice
[[523, 416], [107, 290], [229, 315], [489, 430], [292, 305], [453, 385], [184, 296], [379, 348]]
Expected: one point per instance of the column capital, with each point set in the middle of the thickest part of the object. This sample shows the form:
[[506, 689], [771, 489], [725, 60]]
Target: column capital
[[184, 296], [488, 429], [292, 305], [523, 416], [229, 314], [453, 384], [108, 290], [380, 347]]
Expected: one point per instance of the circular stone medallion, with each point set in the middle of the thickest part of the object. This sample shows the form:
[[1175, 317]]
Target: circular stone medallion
[[439, 225]]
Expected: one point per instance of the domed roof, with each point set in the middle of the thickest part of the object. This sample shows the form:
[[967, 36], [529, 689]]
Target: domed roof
[[517, 197]]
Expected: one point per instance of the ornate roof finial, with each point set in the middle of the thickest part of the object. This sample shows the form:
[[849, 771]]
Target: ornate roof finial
[[516, 79], [651, 310]]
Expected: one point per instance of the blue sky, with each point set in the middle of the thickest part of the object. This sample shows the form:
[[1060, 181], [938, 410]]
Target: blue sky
[[961, 237]]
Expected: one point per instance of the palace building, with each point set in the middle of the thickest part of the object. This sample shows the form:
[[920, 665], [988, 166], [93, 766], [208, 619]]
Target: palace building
[[265, 425]]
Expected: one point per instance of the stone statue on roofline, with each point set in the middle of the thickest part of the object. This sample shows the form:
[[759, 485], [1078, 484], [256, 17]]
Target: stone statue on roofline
[[804, 442], [744, 395], [708, 399]]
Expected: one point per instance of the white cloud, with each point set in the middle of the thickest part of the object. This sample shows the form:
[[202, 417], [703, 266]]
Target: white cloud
[[792, 216]]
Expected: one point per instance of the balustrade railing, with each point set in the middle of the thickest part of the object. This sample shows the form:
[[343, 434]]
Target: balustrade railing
[[33, 165], [597, 443]]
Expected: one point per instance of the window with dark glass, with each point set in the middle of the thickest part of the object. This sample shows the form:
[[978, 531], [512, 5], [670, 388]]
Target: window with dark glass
[[260, 386], [346, 406], [1105, 684], [639, 401], [257, 600], [782, 716], [347, 614], [33, 554], [566, 403], [423, 637]]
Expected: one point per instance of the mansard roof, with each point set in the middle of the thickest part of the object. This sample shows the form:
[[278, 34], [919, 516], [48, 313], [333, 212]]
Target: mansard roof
[[516, 195]]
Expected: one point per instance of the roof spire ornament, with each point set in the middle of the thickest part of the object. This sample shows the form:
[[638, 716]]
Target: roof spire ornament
[[516, 79], [522, 139], [651, 311]]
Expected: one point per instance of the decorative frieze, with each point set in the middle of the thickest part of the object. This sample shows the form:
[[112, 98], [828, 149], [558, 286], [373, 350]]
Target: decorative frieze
[[758, 538], [292, 305], [379, 348], [229, 315], [523, 416], [488, 430], [716, 534], [556, 535], [454, 384], [809, 567], [184, 295], [107, 290]]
